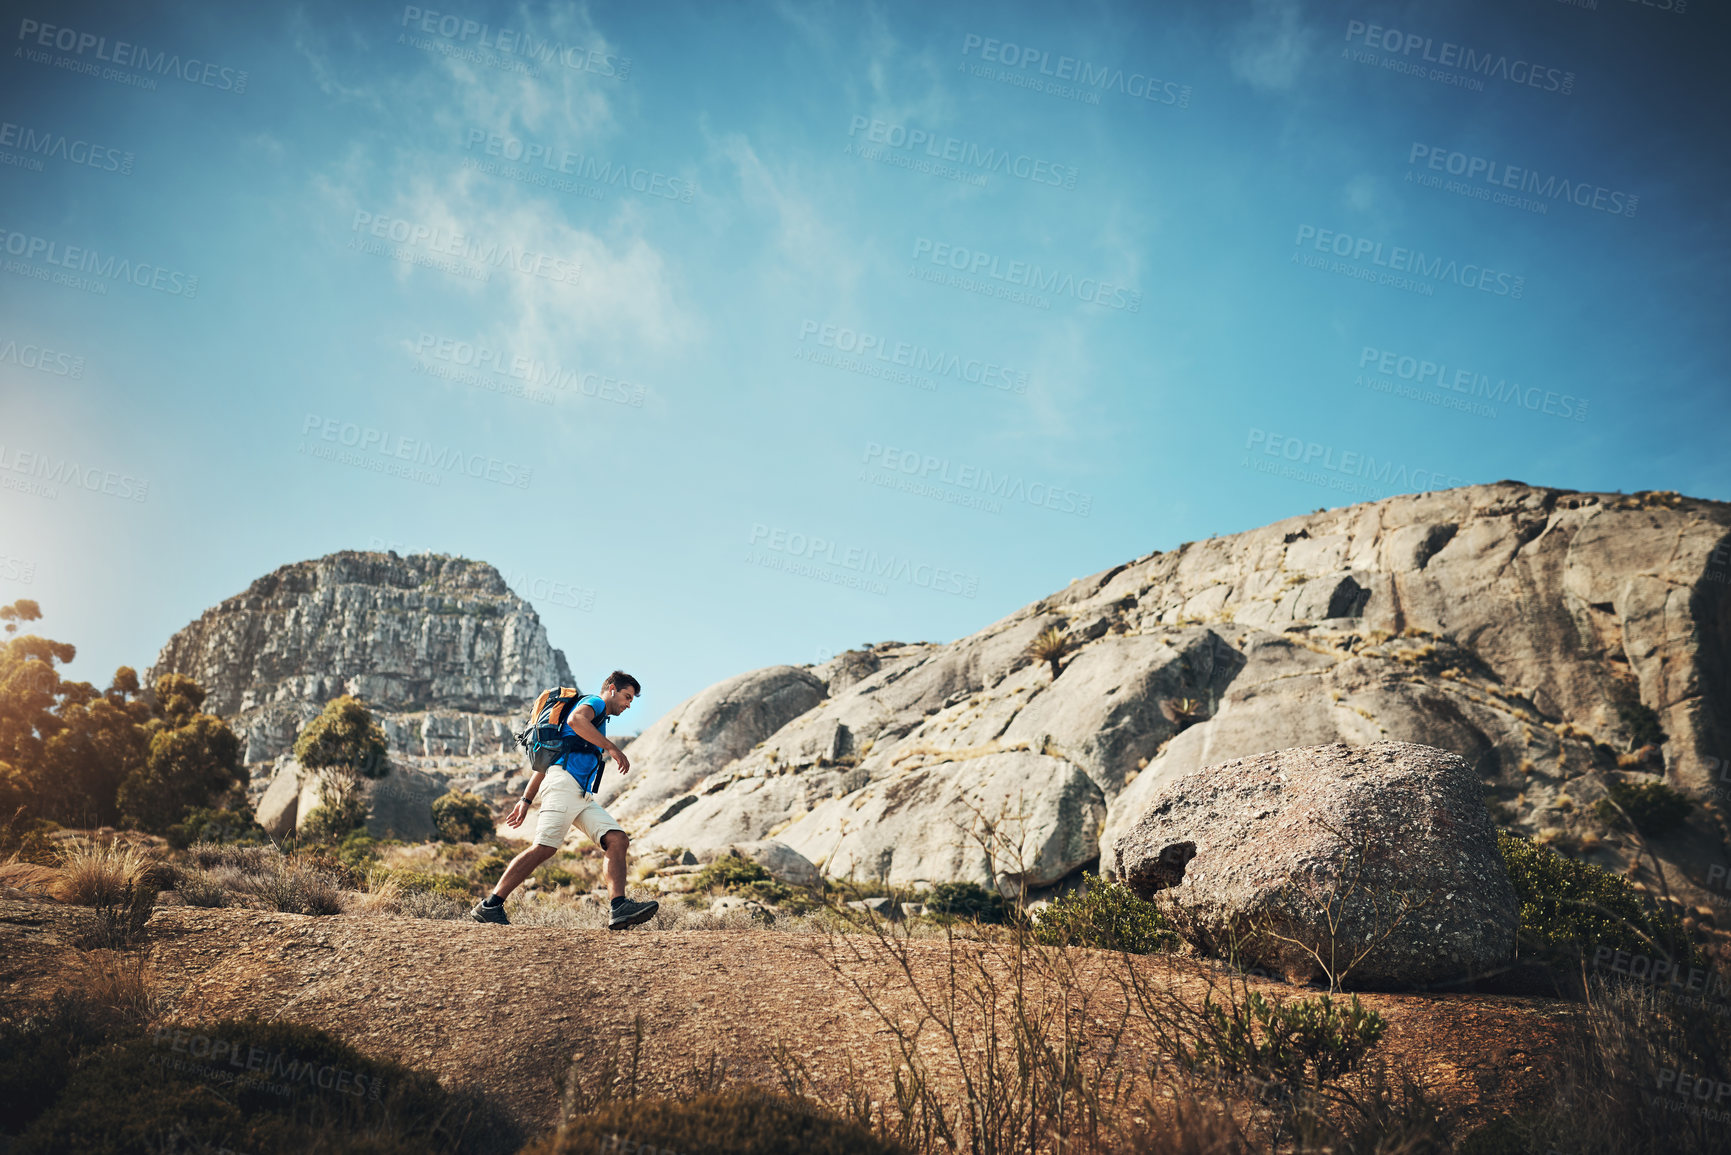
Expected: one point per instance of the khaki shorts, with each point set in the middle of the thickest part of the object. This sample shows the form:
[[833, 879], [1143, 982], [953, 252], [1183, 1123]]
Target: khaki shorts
[[564, 802]]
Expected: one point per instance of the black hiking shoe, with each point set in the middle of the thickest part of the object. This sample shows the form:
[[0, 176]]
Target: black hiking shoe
[[481, 912], [630, 913]]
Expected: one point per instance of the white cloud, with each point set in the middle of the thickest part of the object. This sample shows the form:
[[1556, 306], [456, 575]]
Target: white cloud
[[623, 302], [1271, 48]]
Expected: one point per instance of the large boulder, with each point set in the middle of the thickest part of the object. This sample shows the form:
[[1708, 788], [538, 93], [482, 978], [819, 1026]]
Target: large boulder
[[400, 805], [278, 811], [1040, 816], [1389, 842]]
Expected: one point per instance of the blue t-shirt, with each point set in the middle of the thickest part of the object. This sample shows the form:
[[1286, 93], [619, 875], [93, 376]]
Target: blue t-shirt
[[584, 765]]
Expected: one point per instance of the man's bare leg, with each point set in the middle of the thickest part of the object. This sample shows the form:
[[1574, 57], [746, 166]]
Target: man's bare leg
[[615, 843], [623, 913], [524, 865]]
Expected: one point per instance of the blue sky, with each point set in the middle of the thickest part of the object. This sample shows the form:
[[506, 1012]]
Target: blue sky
[[812, 325]]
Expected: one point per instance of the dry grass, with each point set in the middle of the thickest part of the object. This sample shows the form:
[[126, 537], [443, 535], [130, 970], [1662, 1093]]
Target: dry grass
[[97, 874], [250, 859], [389, 898], [295, 887], [202, 888], [120, 986]]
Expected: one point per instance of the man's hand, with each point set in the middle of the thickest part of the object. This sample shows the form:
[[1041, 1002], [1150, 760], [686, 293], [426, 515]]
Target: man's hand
[[620, 758], [518, 813]]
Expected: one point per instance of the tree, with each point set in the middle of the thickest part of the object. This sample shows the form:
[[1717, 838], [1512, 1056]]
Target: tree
[[65, 746], [67, 749], [344, 745], [22, 610], [345, 739], [188, 766]]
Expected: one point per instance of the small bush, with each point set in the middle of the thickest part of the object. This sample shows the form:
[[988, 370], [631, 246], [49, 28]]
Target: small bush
[[966, 900], [1105, 914], [734, 874], [120, 917], [359, 851], [1653, 807], [199, 888], [463, 817], [243, 857], [432, 904], [219, 826], [488, 870], [412, 881], [1049, 646], [384, 895], [558, 876], [729, 872], [1570, 909], [746, 1121], [1292, 1044], [297, 886], [333, 821]]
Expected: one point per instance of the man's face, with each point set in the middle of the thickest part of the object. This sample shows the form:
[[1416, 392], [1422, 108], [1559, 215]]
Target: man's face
[[618, 700]]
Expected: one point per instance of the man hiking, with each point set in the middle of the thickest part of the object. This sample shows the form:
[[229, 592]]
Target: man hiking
[[567, 793]]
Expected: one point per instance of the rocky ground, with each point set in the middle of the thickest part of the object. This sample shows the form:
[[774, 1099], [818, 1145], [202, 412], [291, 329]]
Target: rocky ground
[[508, 1009]]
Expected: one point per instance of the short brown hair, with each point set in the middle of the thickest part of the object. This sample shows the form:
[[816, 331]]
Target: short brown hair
[[619, 679]]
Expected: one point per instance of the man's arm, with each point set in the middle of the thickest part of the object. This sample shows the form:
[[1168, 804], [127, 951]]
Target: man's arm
[[582, 720], [521, 810]]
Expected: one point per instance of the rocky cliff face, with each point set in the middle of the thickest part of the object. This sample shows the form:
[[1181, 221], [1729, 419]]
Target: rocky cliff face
[[1555, 640], [438, 647]]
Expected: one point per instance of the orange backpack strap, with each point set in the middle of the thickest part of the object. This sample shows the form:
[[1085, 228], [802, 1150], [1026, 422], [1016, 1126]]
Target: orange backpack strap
[[564, 701]]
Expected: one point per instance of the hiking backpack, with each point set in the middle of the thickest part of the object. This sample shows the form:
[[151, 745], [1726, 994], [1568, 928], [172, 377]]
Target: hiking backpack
[[544, 738]]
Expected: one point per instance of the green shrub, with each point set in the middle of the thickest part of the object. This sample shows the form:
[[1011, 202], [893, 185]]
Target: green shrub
[[1105, 914], [747, 879], [1296, 1043], [425, 881], [557, 876], [487, 871], [358, 851], [966, 900], [221, 826], [1570, 909], [463, 817], [155, 1092], [729, 872], [1654, 807], [735, 1122], [335, 820]]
